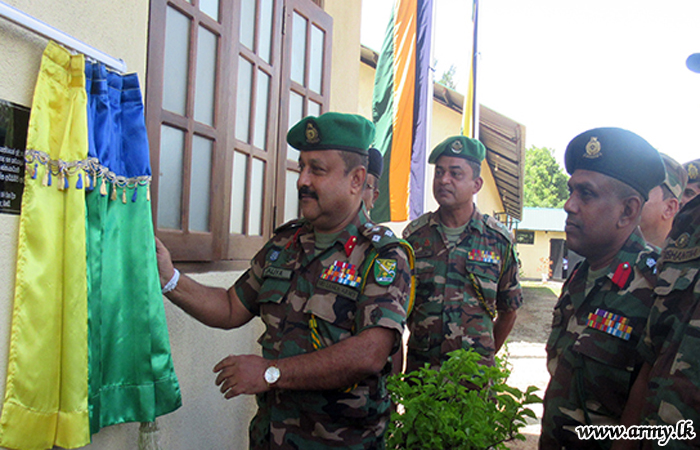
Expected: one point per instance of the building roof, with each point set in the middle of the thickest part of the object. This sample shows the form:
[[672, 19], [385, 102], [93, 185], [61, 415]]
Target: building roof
[[543, 219], [503, 138]]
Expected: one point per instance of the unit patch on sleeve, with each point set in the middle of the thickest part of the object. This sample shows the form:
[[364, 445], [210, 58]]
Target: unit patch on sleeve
[[384, 271], [610, 323]]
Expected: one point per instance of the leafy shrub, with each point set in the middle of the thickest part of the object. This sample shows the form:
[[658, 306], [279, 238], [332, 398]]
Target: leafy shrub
[[462, 406]]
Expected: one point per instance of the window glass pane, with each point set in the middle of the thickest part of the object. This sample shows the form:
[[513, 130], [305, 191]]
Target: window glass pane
[[172, 148], [265, 39], [313, 109], [298, 48], [210, 8], [247, 34], [316, 59], [199, 183], [177, 40], [261, 100], [206, 77], [238, 192], [257, 180], [296, 111], [291, 199], [243, 99]]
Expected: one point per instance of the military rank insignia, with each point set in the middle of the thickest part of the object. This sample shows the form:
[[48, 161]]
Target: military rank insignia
[[384, 271], [610, 323], [343, 273], [592, 149], [484, 256]]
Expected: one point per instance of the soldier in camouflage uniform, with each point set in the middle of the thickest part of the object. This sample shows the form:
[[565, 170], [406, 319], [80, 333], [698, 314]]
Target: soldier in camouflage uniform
[[332, 289], [692, 189], [467, 272], [663, 203], [604, 303], [668, 388]]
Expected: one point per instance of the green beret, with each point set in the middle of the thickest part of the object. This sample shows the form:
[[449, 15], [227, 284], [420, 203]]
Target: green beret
[[459, 147], [693, 170], [676, 176], [332, 131], [619, 154]]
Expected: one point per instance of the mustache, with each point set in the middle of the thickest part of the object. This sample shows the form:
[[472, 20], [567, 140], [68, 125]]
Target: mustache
[[305, 191]]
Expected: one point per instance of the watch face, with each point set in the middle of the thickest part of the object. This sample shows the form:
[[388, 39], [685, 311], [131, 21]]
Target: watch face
[[272, 374]]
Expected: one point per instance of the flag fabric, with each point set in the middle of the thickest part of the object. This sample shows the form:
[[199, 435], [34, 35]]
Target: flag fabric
[[400, 110], [470, 113]]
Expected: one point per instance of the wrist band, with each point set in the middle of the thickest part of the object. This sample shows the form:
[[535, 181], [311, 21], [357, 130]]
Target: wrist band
[[172, 284]]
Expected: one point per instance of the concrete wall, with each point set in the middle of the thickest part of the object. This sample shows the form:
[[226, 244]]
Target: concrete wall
[[530, 254], [120, 29]]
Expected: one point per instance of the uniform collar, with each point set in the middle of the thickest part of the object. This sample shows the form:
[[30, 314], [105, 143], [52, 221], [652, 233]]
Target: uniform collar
[[347, 237], [625, 259], [475, 222]]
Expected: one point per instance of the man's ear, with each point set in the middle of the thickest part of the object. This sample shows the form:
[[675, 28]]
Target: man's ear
[[358, 175], [631, 211], [478, 184], [671, 207]]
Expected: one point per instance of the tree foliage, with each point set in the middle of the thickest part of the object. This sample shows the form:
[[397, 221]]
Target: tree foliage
[[545, 181], [448, 78]]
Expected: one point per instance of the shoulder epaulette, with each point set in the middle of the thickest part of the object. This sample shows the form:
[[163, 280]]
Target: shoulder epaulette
[[495, 224], [292, 224], [379, 235], [416, 224]]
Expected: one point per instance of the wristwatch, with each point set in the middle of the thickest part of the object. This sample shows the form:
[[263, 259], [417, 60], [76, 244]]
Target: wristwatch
[[272, 374]]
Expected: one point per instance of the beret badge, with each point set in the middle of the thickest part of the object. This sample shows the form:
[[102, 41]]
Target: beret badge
[[456, 147], [692, 171], [311, 133], [592, 148]]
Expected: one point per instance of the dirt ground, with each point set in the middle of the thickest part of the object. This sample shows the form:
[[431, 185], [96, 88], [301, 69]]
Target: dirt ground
[[526, 349]]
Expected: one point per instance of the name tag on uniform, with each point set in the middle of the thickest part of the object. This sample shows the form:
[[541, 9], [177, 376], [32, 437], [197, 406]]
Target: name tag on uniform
[[339, 289], [610, 323], [277, 272], [484, 256]]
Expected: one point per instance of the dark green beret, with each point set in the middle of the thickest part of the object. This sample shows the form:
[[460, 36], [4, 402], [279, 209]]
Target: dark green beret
[[459, 147], [376, 163], [332, 131], [693, 169], [619, 154]]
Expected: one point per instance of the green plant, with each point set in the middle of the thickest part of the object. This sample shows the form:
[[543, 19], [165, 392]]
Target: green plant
[[464, 405]]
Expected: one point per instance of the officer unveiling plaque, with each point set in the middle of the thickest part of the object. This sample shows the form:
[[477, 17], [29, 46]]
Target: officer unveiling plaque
[[14, 120]]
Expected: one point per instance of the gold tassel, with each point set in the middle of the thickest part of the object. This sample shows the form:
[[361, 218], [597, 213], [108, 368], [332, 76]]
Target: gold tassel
[[114, 192], [148, 193], [45, 180], [124, 196], [103, 188], [60, 181]]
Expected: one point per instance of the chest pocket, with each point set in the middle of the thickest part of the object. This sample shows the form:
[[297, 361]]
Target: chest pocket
[[483, 278], [332, 314]]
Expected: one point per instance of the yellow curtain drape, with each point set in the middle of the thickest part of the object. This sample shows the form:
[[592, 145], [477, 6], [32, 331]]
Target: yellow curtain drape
[[46, 390]]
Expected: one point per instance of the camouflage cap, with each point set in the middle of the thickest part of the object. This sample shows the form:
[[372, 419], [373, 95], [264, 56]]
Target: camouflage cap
[[692, 168], [676, 176], [459, 147], [619, 154], [332, 131], [376, 163]]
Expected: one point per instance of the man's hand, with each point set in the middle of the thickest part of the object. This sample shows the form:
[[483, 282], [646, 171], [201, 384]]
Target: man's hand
[[243, 374], [165, 263]]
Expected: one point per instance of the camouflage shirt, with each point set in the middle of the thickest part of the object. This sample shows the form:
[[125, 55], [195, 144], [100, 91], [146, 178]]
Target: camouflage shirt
[[308, 302], [672, 339], [591, 352], [448, 313]]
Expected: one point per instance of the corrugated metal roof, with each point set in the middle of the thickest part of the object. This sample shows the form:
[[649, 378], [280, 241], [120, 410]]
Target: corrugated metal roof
[[542, 219]]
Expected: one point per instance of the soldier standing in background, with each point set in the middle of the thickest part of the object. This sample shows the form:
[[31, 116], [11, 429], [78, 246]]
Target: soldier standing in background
[[663, 203], [604, 303], [468, 290]]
